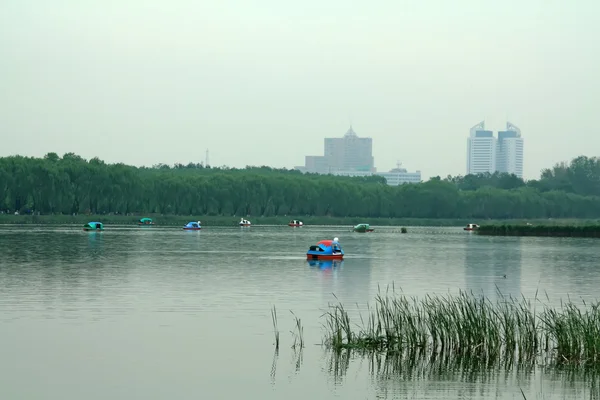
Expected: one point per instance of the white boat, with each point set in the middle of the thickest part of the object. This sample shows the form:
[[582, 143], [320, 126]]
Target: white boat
[[245, 222], [471, 227], [295, 222]]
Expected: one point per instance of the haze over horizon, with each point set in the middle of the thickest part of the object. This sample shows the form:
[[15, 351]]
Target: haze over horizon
[[263, 82]]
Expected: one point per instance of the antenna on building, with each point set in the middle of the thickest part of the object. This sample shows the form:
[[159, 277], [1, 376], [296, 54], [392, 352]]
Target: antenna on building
[[206, 159]]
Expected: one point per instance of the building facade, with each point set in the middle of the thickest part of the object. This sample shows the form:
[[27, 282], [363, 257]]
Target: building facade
[[509, 151], [351, 155], [486, 153], [481, 150], [400, 176], [394, 177]]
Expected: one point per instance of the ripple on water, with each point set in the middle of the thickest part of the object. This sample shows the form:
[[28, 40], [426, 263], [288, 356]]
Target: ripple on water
[[150, 309]]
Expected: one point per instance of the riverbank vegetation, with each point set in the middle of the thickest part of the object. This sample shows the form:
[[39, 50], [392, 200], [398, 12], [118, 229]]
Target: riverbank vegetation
[[221, 220], [470, 326], [579, 230], [70, 185]]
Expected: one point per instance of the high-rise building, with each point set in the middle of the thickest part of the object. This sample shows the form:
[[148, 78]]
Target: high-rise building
[[349, 153], [509, 151], [481, 150], [485, 153]]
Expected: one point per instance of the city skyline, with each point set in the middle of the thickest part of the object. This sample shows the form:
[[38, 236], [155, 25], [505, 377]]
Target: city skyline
[[260, 83]]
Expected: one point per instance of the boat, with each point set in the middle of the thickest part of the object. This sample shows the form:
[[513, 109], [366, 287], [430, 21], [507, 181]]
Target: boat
[[245, 222], [93, 226], [471, 227], [326, 264], [193, 226], [145, 221], [326, 250], [295, 222], [362, 228]]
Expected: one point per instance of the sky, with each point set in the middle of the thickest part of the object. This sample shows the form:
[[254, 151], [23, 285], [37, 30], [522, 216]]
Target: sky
[[262, 82]]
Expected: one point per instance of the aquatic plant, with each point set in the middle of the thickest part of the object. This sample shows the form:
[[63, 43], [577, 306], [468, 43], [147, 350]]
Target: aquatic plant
[[470, 326], [275, 329], [298, 332], [586, 230]]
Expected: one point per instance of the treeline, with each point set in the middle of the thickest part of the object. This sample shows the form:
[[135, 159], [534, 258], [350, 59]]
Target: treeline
[[72, 185]]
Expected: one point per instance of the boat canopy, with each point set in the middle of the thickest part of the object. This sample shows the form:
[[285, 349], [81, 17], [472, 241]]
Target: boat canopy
[[94, 225], [193, 224], [334, 244], [146, 220]]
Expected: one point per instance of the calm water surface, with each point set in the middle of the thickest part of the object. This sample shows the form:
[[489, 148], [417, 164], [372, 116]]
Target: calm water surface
[[161, 313]]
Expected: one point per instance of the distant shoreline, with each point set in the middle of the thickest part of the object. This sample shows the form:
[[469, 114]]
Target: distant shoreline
[[209, 220]]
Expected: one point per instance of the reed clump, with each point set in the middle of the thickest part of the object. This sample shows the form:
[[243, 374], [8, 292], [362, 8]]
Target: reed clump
[[540, 230], [470, 326]]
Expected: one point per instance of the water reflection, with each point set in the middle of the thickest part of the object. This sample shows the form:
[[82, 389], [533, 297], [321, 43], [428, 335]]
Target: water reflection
[[416, 374], [326, 264], [95, 242], [123, 303], [59, 272], [349, 281], [493, 265], [575, 260]]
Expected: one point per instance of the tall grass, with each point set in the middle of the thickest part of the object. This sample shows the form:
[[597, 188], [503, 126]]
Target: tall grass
[[275, 329], [298, 332], [470, 326]]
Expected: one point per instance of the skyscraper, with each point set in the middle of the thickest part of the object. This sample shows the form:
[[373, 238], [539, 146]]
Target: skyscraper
[[485, 153], [351, 155], [348, 154], [509, 151], [481, 150]]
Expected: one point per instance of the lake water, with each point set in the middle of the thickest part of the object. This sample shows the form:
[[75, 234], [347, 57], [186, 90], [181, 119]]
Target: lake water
[[162, 313]]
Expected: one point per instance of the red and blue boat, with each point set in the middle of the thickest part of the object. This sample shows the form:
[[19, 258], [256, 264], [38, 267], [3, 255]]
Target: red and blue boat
[[326, 250]]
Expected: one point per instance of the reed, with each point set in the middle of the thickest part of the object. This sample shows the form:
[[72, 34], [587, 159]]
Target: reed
[[468, 326], [540, 230], [275, 329], [298, 332]]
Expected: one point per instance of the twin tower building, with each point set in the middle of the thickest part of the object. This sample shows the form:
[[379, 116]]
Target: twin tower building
[[486, 153], [352, 155]]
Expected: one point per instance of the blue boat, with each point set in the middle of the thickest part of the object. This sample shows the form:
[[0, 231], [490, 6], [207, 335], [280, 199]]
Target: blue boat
[[192, 226], [326, 250]]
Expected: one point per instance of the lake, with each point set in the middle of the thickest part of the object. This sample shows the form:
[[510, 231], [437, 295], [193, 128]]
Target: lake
[[162, 313]]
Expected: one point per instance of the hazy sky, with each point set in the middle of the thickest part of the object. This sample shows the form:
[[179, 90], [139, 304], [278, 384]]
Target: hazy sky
[[264, 81]]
